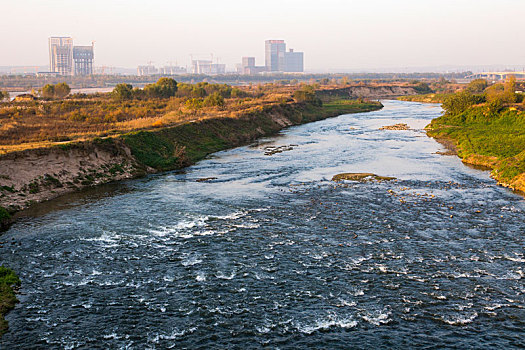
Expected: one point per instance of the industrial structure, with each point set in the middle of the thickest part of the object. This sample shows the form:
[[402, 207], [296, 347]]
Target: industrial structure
[[83, 58], [62, 55]]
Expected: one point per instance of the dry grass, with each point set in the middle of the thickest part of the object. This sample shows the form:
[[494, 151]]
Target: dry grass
[[36, 124]]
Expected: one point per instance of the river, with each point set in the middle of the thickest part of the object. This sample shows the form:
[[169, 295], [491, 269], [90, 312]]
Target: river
[[272, 253]]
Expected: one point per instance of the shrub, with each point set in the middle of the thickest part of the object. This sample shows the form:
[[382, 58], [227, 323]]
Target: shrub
[[460, 102], [163, 88], [62, 90], [213, 100], [422, 88], [122, 92], [48, 91], [307, 94], [477, 86], [193, 103]]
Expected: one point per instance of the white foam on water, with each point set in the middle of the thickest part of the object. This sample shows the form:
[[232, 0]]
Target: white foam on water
[[326, 323], [515, 258], [183, 225], [459, 320], [251, 226], [191, 259], [223, 276], [201, 276], [232, 216], [377, 318], [344, 302]]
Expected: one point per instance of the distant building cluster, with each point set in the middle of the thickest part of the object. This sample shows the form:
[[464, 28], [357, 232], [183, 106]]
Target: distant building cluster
[[66, 59], [277, 59], [166, 70]]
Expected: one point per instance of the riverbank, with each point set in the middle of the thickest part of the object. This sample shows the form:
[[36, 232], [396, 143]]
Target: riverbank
[[37, 175], [8, 282], [492, 140], [425, 98]]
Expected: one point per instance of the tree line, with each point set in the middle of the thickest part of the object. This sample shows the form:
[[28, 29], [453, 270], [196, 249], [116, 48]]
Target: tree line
[[495, 96]]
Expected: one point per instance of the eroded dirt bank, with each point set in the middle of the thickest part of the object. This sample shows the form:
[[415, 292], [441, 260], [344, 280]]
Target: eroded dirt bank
[[37, 175]]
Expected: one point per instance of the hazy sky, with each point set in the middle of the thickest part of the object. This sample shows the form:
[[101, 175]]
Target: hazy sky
[[334, 34]]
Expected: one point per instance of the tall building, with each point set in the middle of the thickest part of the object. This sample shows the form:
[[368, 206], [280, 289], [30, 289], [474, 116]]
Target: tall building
[[83, 57], [274, 55], [61, 55], [293, 61], [278, 60]]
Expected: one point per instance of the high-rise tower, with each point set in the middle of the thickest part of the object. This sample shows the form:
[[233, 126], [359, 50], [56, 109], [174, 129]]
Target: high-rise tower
[[274, 55], [61, 55]]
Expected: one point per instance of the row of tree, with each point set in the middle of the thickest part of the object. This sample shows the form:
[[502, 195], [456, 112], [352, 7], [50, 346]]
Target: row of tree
[[478, 91], [167, 87], [59, 90], [163, 88]]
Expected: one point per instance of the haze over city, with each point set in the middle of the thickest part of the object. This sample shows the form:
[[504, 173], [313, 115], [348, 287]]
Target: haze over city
[[335, 35]]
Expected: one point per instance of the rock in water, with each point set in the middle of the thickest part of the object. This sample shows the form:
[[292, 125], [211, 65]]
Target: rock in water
[[361, 177], [400, 126]]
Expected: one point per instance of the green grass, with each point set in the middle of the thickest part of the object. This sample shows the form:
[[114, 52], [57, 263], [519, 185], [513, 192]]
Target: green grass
[[478, 132], [349, 106], [426, 98], [8, 279], [176, 147]]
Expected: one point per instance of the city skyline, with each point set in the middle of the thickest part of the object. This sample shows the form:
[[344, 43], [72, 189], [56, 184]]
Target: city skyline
[[338, 36]]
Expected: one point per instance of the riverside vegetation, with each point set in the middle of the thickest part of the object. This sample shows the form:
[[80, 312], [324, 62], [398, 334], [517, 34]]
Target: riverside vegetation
[[487, 126], [9, 281]]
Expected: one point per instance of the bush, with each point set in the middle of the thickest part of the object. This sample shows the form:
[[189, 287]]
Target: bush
[[307, 94], [60, 90], [214, 100], [163, 88], [48, 91], [477, 86], [422, 88], [122, 92], [193, 103], [460, 102]]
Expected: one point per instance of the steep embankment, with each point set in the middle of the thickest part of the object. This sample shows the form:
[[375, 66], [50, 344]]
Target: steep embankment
[[494, 140], [367, 92], [425, 98], [36, 175]]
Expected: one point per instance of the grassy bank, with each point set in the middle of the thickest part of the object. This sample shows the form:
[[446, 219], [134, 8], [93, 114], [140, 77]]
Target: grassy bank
[[8, 281], [426, 98], [492, 139], [176, 147]]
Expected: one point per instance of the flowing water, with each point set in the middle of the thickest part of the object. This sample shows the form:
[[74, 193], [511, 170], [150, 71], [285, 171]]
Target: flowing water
[[272, 253]]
